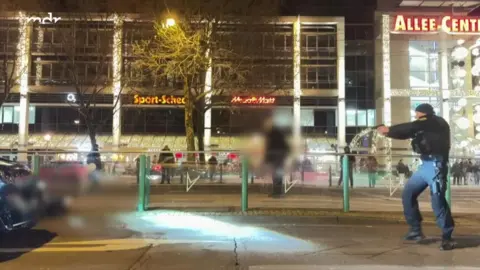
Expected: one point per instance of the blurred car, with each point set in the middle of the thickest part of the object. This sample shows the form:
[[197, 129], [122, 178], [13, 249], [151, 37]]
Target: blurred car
[[16, 212], [65, 178], [10, 170], [155, 173]]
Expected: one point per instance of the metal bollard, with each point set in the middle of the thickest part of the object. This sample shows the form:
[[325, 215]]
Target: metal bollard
[[244, 184], [330, 176], [221, 172], [141, 184], [36, 165], [346, 191], [448, 193], [148, 168]]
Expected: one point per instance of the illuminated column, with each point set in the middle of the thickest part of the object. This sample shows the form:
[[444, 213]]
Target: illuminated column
[[23, 59], [342, 118], [208, 101], [297, 86], [444, 80], [387, 106], [117, 81], [470, 99], [39, 67]]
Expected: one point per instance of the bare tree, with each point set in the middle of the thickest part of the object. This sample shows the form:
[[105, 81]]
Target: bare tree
[[10, 70], [83, 47], [8, 74], [183, 48]]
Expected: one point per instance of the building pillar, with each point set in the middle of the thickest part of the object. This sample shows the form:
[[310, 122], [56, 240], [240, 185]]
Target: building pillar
[[444, 79], [401, 105], [39, 67], [117, 81], [297, 84], [470, 100], [207, 135], [342, 116], [387, 91], [22, 69]]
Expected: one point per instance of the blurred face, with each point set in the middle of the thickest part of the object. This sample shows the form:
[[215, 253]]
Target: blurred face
[[419, 115]]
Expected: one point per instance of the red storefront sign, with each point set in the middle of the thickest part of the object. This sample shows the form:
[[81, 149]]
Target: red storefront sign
[[449, 24], [253, 100]]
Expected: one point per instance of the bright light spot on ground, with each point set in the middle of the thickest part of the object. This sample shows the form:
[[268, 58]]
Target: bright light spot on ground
[[175, 226]]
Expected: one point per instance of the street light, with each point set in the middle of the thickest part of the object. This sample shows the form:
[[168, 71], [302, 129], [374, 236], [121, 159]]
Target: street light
[[76, 122], [170, 22]]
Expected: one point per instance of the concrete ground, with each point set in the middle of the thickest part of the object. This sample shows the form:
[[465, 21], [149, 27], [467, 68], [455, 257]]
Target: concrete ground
[[300, 231], [169, 240]]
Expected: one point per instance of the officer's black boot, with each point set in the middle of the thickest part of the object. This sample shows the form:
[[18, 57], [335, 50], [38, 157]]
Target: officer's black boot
[[414, 235], [447, 244]]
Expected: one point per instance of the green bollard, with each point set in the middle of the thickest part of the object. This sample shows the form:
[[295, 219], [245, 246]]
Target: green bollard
[[148, 170], [346, 191], [36, 164], [244, 184], [141, 184], [448, 193]]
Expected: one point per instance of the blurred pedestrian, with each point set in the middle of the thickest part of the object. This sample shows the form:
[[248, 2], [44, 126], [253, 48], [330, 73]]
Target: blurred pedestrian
[[167, 159], [351, 166], [276, 153], [372, 171]]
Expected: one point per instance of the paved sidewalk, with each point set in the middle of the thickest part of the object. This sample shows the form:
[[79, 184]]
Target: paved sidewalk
[[151, 242]]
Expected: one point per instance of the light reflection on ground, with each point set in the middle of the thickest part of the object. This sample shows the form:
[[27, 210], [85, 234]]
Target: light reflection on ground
[[175, 226]]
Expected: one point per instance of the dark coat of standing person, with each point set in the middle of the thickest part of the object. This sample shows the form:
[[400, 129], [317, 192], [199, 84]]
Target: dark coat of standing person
[[351, 163], [166, 159], [276, 153], [430, 136]]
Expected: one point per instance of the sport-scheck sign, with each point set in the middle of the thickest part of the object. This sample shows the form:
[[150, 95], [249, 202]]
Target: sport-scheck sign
[[449, 24], [162, 100]]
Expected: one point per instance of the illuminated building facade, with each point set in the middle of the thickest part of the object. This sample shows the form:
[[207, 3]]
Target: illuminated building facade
[[428, 52], [306, 68]]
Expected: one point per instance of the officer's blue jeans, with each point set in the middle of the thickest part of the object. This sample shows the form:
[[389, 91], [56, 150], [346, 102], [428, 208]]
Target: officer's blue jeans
[[429, 174]]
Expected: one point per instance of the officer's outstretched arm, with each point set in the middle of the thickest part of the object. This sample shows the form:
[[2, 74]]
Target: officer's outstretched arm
[[404, 131]]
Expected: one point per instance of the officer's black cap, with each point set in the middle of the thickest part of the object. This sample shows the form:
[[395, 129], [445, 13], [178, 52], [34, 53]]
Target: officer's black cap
[[425, 108]]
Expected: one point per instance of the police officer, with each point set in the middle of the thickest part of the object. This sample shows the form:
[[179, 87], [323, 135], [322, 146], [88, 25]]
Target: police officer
[[430, 136]]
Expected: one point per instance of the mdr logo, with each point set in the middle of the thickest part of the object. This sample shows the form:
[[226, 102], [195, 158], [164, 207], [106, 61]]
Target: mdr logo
[[45, 20]]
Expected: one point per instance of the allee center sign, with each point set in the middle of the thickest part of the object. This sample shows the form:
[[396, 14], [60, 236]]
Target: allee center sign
[[448, 24]]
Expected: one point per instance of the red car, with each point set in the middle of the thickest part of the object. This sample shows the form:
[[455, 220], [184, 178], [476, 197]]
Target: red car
[[65, 178]]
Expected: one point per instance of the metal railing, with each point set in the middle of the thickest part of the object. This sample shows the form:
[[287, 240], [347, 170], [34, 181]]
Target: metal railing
[[192, 171]]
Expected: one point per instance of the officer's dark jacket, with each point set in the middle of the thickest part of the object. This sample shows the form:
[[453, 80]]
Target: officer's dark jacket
[[435, 130]]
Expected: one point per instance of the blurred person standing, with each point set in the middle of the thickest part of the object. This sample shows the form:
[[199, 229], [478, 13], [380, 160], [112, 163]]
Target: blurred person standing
[[469, 172], [372, 165], [167, 160], [456, 172], [277, 151], [94, 160], [351, 166], [212, 167]]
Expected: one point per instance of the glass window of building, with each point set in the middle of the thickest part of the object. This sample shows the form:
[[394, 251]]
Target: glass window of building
[[371, 117], [307, 118], [351, 118], [424, 65], [7, 114], [362, 118]]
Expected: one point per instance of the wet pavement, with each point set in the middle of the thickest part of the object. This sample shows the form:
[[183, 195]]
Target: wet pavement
[[177, 240]]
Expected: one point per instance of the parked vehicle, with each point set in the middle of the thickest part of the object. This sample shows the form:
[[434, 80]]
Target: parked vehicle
[[155, 172], [20, 206], [65, 178], [25, 198]]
